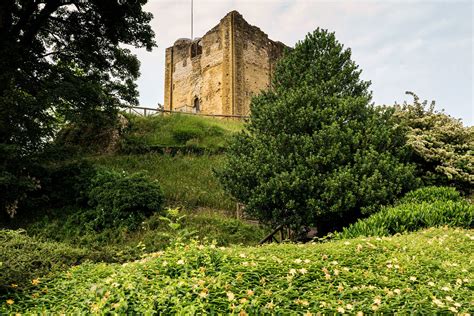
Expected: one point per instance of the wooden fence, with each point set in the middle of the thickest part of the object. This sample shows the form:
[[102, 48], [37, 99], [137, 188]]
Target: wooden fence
[[143, 111]]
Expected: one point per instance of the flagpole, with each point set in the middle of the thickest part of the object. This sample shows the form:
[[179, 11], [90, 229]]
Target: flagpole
[[192, 20]]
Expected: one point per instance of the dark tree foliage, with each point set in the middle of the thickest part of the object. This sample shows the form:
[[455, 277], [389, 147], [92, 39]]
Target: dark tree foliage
[[315, 152], [61, 61]]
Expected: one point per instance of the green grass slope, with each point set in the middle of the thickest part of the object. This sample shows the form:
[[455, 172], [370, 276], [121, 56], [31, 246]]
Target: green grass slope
[[179, 131], [428, 272]]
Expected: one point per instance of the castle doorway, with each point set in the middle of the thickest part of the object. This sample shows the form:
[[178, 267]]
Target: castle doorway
[[197, 105]]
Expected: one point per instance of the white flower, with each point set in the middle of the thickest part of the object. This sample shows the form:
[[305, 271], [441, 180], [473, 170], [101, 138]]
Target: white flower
[[307, 261], [180, 261], [397, 291], [303, 271], [243, 255], [340, 310], [298, 261], [437, 302], [412, 278], [292, 271], [431, 283]]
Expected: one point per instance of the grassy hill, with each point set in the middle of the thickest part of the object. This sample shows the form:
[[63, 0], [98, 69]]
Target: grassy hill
[[171, 133], [428, 272]]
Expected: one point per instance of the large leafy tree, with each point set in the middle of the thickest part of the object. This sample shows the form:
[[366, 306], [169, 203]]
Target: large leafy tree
[[315, 152], [61, 61]]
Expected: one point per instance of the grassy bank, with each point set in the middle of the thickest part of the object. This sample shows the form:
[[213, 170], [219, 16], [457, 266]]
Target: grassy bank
[[429, 272], [187, 180]]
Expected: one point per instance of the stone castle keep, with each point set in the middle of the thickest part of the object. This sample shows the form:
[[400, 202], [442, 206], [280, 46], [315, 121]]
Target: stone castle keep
[[220, 72]]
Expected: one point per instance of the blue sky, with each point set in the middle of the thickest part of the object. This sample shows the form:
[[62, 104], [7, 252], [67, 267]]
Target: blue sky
[[421, 46]]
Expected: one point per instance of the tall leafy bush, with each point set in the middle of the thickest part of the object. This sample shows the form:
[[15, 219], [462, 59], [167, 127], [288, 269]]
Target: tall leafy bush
[[315, 152]]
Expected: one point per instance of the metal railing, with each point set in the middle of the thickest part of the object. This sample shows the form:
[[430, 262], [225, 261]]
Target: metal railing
[[143, 111]]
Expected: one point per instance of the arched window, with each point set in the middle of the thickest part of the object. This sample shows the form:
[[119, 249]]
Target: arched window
[[196, 104]]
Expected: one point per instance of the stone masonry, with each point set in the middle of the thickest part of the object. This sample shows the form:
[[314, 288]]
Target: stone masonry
[[220, 72]]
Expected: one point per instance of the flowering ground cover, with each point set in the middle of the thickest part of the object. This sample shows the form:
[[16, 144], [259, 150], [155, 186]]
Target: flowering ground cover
[[426, 272]]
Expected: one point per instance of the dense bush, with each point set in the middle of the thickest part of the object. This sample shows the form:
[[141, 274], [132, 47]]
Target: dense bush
[[420, 209], [441, 146], [122, 199], [24, 258], [315, 152]]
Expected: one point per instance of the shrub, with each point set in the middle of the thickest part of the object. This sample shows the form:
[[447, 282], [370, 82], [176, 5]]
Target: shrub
[[24, 258], [420, 209], [315, 152], [431, 194], [441, 146], [122, 199]]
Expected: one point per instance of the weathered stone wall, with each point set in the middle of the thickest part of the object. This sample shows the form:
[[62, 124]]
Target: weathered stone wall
[[222, 70], [255, 58]]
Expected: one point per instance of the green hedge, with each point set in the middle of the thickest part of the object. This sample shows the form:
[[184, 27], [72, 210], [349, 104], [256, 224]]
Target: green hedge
[[426, 207]]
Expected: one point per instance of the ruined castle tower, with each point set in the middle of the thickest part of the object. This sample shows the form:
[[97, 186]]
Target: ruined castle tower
[[220, 72]]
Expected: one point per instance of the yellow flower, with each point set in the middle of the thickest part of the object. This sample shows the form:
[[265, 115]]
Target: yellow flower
[[13, 285], [10, 301], [375, 307], [340, 310], [270, 305], [377, 300], [243, 313], [230, 296], [340, 288], [35, 281], [180, 261], [250, 292], [360, 313], [243, 300], [327, 276], [336, 272], [203, 293], [412, 278], [453, 309], [397, 291]]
